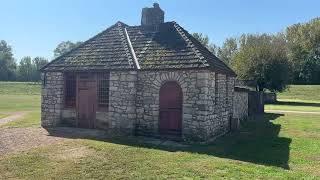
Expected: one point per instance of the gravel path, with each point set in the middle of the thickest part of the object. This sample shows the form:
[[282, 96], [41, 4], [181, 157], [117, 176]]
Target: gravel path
[[20, 139], [12, 117]]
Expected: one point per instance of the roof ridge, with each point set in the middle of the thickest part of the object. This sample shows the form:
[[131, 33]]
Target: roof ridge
[[190, 44], [126, 46], [135, 60], [81, 45]]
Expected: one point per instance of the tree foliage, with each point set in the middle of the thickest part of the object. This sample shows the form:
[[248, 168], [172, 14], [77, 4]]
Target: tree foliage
[[64, 47], [303, 42], [204, 40], [262, 58], [28, 69], [7, 62], [228, 50]]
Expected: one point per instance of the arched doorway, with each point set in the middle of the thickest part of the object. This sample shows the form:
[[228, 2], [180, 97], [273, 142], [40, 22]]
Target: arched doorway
[[170, 115]]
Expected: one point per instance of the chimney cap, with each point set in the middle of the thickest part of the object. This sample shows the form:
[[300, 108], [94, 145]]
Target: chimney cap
[[156, 5]]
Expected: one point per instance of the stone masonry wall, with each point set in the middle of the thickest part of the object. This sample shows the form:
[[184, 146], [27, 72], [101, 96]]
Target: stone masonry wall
[[51, 99], [203, 117], [122, 101], [134, 102], [240, 106], [219, 105]]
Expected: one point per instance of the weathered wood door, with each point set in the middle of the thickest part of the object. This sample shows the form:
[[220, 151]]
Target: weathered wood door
[[86, 101], [170, 120]]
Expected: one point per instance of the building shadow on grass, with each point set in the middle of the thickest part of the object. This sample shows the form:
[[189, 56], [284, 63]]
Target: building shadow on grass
[[257, 142]]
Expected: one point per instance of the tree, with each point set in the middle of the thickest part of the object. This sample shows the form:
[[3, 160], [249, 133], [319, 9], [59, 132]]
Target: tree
[[65, 46], [28, 69], [25, 69], [7, 62], [303, 41], [263, 59], [204, 40], [38, 62], [228, 50]]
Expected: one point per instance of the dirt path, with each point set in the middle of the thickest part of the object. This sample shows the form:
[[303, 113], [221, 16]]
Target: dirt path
[[20, 139], [12, 117], [298, 112]]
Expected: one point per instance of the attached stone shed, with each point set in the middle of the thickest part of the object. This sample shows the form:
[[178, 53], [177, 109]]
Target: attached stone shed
[[240, 106], [154, 79]]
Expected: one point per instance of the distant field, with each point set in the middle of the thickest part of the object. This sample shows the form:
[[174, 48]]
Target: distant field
[[298, 98], [20, 96], [19, 88], [304, 93]]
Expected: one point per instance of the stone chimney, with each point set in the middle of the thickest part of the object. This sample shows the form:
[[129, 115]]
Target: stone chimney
[[152, 16]]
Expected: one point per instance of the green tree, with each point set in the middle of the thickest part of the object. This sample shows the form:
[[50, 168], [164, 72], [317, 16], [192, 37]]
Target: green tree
[[204, 40], [263, 59], [37, 63], [228, 50], [7, 62], [303, 42], [25, 69], [65, 46]]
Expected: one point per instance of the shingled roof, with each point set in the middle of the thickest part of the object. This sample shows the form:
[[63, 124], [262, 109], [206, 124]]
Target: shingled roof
[[123, 47]]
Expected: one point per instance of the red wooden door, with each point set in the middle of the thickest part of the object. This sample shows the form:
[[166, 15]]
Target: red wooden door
[[86, 101], [170, 120]]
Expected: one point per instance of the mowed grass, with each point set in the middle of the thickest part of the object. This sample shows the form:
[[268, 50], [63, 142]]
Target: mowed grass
[[269, 146], [298, 98], [20, 97], [305, 93], [31, 119], [19, 88]]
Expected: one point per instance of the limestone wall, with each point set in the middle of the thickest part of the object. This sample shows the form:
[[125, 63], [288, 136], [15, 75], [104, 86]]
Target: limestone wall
[[134, 102], [240, 106], [206, 112], [219, 105], [51, 99], [122, 101]]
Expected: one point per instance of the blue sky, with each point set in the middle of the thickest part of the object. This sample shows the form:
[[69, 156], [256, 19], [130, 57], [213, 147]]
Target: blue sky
[[35, 27]]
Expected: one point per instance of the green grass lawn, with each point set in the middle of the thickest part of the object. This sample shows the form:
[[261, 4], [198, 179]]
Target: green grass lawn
[[298, 98], [270, 146], [19, 88], [305, 93], [19, 96]]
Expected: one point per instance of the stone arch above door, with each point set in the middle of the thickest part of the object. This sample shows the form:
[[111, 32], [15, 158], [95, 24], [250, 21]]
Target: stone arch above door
[[178, 77]]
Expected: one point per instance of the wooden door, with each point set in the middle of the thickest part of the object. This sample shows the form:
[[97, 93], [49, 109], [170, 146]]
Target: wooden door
[[86, 101], [170, 120]]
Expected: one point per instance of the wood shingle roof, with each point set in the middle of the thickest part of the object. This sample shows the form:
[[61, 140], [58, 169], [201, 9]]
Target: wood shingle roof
[[166, 46]]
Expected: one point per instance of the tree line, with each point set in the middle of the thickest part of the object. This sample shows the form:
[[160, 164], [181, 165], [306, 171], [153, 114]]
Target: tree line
[[273, 60], [27, 69]]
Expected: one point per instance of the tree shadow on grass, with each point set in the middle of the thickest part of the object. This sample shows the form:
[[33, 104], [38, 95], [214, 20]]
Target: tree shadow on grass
[[257, 142], [287, 103]]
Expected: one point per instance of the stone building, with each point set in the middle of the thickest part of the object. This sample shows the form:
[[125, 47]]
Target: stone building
[[153, 79]]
